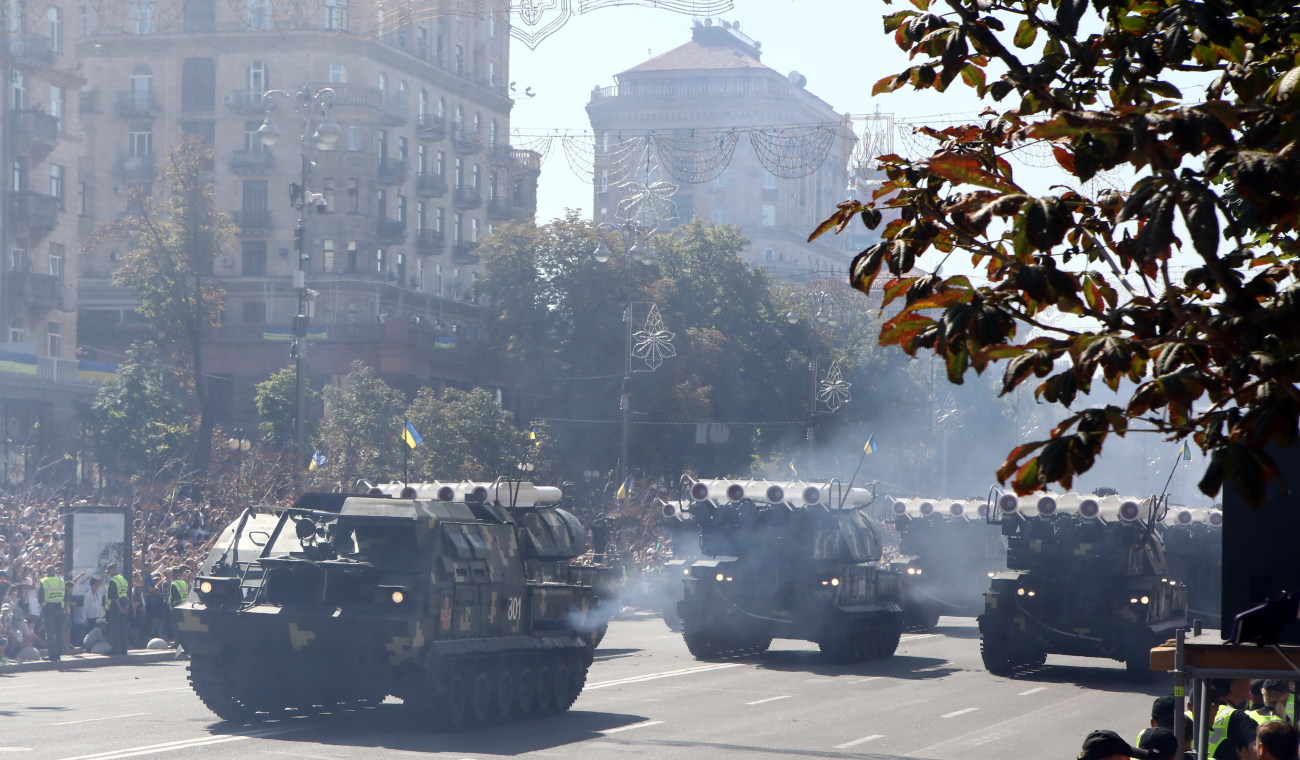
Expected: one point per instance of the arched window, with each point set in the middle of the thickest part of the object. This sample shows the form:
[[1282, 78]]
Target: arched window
[[459, 121], [423, 105], [492, 137], [383, 86], [478, 122], [442, 108], [401, 95]]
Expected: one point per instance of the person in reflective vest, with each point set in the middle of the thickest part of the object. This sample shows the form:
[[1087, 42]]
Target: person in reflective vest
[[52, 592], [118, 601], [1233, 731], [177, 589]]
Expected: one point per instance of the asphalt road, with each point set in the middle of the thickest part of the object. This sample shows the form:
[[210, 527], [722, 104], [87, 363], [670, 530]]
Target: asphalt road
[[646, 697]]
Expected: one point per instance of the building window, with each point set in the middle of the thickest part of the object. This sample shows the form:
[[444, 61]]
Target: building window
[[199, 84], [769, 181], [458, 227], [719, 215], [56, 261], [83, 199], [141, 140], [327, 254], [18, 86], [439, 219], [421, 216], [354, 196], [204, 129], [83, 12], [460, 174], [721, 181], [54, 331], [354, 139], [476, 174], [421, 159], [338, 73], [199, 16], [254, 312], [380, 260], [56, 184], [769, 255], [401, 208], [16, 332], [257, 14], [259, 79], [57, 98], [422, 105], [144, 17], [441, 168], [473, 230], [336, 15], [253, 258], [769, 215], [54, 28], [403, 149]]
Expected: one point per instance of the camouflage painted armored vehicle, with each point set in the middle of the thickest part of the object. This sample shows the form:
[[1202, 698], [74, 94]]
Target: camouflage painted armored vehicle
[[1194, 549], [346, 599], [949, 552], [790, 561], [1087, 578], [666, 578]]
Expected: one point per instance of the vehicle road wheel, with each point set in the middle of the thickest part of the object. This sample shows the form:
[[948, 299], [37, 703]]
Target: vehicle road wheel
[[996, 655], [890, 633], [213, 687], [526, 689], [505, 696], [545, 688], [702, 644], [482, 697], [563, 679], [454, 707], [595, 637], [671, 618]]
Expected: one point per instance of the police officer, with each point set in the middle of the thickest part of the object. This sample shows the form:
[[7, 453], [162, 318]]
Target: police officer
[[1233, 731], [118, 601], [52, 591], [177, 589]]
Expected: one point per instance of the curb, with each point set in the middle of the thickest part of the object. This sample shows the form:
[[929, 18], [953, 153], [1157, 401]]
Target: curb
[[82, 661]]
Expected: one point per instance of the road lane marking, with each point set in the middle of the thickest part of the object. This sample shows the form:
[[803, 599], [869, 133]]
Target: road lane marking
[[125, 752], [20, 686], [864, 680], [955, 713], [92, 720], [643, 724], [917, 636], [155, 691], [818, 679], [769, 699], [856, 742], [1032, 691], [655, 676], [15, 749]]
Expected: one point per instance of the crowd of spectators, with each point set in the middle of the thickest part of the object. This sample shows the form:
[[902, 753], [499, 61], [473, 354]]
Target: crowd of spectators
[[164, 536]]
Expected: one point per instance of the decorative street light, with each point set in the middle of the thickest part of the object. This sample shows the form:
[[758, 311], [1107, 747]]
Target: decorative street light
[[238, 446], [319, 132], [830, 391], [652, 344]]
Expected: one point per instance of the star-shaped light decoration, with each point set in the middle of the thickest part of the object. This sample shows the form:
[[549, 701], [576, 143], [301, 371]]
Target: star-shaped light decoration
[[833, 391], [652, 344], [650, 204]]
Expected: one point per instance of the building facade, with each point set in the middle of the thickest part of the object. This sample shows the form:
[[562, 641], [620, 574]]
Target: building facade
[[696, 107], [420, 171]]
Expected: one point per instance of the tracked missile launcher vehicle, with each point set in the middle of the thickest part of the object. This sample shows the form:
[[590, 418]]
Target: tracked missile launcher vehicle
[[1194, 549], [949, 552], [790, 561], [684, 537], [1087, 577], [455, 601]]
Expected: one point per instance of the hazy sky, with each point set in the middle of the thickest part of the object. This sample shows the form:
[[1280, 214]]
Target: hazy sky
[[839, 45]]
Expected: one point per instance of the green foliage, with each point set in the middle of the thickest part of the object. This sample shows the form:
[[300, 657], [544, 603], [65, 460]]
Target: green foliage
[[137, 424], [277, 405], [468, 436], [174, 241], [360, 434], [1212, 349]]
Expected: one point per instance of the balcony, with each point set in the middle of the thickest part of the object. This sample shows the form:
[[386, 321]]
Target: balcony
[[134, 104], [392, 171], [431, 128], [353, 95], [30, 50], [394, 114], [38, 292], [260, 161], [37, 211], [466, 198], [245, 101], [430, 242], [431, 186], [140, 166], [36, 131], [463, 252], [256, 221], [503, 209], [390, 231], [467, 142], [525, 162], [500, 155]]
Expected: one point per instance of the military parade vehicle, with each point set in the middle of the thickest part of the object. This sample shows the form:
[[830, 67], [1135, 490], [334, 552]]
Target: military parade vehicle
[[1194, 549], [948, 553], [1087, 577], [456, 599], [791, 561], [684, 545]]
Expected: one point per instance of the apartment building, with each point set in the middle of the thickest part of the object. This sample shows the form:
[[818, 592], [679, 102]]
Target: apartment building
[[421, 169], [789, 150]]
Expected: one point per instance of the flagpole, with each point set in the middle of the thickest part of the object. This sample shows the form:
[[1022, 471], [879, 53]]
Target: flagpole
[[406, 460], [1172, 471], [844, 496]]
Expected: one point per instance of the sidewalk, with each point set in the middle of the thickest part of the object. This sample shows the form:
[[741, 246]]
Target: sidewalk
[[79, 661]]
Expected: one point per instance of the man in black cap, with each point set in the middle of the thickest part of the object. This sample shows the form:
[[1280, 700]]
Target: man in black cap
[[1107, 745], [1161, 743]]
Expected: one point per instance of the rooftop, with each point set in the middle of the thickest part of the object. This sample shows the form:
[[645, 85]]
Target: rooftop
[[720, 46]]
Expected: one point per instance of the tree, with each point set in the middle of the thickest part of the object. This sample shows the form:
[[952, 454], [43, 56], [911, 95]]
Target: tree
[[138, 427], [175, 239], [277, 405], [468, 436], [1210, 354], [360, 436]]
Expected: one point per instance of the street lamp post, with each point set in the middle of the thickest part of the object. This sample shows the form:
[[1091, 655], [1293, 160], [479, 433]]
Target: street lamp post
[[654, 348], [238, 445], [830, 390], [321, 132]]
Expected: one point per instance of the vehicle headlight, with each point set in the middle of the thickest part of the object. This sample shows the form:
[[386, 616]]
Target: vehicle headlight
[[398, 597], [719, 577], [1020, 592], [686, 571], [835, 581], [1146, 600], [205, 587]]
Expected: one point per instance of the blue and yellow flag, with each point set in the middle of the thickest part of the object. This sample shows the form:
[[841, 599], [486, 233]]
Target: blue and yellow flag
[[318, 460], [410, 435], [870, 446], [793, 471], [1185, 452], [625, 489]]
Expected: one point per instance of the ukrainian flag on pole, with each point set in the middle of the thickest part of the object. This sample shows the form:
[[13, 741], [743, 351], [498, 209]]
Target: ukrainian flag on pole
[[1185, 452], [624, 489], [870, 446], [410, 435]]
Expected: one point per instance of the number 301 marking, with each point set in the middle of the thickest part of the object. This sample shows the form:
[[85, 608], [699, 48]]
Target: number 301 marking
[[514, 608]]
